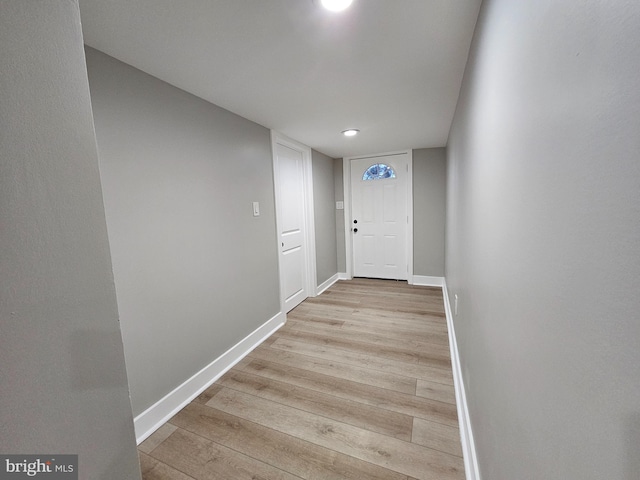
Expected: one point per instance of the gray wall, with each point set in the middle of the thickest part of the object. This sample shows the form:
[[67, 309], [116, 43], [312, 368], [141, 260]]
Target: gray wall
[[429, 198], [543, 238], [62, 373], [325, 216], [339, 196], [195, 272]]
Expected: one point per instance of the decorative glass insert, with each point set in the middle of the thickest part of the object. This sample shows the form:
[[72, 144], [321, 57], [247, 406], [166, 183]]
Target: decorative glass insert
[[378, 171]]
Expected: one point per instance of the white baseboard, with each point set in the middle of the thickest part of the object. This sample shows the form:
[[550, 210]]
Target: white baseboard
[[466, 434], [427, 281], [159, 413], [326, 284], [343, 276]]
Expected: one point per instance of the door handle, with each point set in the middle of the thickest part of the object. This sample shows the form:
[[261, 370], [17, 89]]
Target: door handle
[[355, 230]]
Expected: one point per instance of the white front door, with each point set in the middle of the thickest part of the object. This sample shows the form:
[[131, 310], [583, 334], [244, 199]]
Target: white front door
[[292, 201], [379, 220]]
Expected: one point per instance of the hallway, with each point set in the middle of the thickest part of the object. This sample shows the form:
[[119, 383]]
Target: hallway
[[357, 385]]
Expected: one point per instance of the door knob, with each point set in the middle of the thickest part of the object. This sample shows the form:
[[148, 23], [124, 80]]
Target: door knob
[[355, 230], [355, 221]]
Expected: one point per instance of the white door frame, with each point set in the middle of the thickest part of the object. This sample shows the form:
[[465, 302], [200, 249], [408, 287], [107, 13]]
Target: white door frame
[[309, 223], [348, 238]]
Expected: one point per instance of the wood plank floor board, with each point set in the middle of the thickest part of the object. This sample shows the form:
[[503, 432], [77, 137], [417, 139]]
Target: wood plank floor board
[[396, 305], [317, 306], [362, 286], [203, 459], [402, 322], [380, 349], [152, 469], [436, 391], [316, 319], [403, 457], [321, 317], [213, 389], [379, 420], [372, 336], [356, 385], [335, 301], [421, 321], [345, 371], [157, 437], [329, 313], [379, 336], [433, 373], [440, 338], [426, 408], [440, 437], [372, 342], [386, 320], [390, 303], [298, 457], [394, 302], [409, 309]]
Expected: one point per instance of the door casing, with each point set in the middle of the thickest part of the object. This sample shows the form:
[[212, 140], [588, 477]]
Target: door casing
[[348, 215], [309, 224]]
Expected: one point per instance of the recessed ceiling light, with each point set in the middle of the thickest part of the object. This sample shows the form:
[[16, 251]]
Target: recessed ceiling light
[[352, 132], [336, 5]]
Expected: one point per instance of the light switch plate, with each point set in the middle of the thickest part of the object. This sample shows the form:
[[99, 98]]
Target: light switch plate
[[256, 209]]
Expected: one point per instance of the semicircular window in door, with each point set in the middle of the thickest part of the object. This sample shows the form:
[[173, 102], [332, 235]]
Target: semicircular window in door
[[378, 171]]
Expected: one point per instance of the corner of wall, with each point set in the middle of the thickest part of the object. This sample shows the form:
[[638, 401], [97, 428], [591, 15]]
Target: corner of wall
[[159, 413], [326, 284], [426, 281]]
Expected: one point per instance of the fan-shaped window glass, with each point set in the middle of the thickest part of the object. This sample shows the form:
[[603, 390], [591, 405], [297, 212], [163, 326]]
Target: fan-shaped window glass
[[378, 171]]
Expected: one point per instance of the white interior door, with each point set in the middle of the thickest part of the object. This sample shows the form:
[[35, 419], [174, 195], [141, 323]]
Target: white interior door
[[291, 169], [379, 220]]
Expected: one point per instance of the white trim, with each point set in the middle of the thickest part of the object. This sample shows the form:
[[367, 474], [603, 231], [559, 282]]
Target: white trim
[[160, 412], [343, 276], [346, 182], [410, 214], [327, 283], [466, 433], [309, 221], [348, 238], [426, 281]]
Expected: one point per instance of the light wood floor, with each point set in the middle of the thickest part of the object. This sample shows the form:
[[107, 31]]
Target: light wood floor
[[357, 385]]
